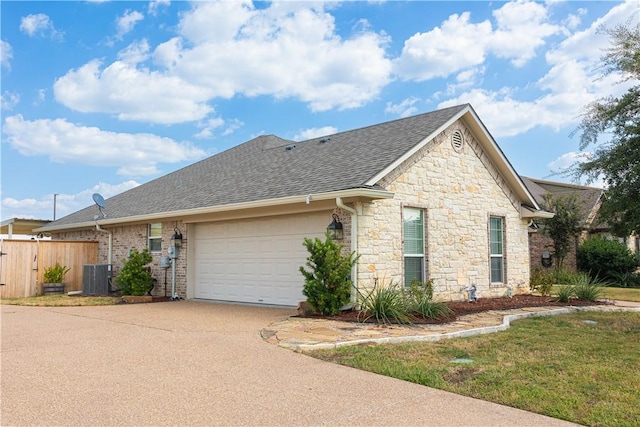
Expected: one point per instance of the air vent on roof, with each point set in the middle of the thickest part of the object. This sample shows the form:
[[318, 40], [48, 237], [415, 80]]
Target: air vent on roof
[[290, 147], [323, 140], [457, 140]]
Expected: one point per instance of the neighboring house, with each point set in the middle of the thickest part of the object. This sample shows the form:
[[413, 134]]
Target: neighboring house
[[21, 228], [589, 200], [424, 197]]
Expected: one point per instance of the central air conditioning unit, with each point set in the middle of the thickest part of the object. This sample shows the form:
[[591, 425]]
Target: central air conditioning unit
[[96, 279]]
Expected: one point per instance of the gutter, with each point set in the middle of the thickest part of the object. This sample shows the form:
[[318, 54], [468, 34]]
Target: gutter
[[369, 193], [354, 246]]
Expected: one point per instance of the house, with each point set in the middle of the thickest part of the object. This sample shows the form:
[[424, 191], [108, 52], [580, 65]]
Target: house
[[589, 200], [430, 196]]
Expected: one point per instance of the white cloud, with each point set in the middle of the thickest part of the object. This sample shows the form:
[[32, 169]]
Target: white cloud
[[6, 54], [458, 43], [9, 100], [521, 28], [571, 82], [135, 53], [39, 24], [40, 98], [311, 133], [127, 22], [132, 94], [225, 49], [566, 161], [155, 5], [42, 208], [64, 142], [455, 45], [403, 109], [208, 127]]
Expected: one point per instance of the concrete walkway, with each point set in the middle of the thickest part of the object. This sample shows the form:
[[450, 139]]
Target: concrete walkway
[[201, 364], [307, 334]]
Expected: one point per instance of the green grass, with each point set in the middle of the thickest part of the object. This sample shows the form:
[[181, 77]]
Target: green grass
[[624, 294], [566, 367], [60, 301]]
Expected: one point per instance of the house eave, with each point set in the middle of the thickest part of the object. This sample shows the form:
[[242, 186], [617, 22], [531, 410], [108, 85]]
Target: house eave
[[527, 212], [353, 193]]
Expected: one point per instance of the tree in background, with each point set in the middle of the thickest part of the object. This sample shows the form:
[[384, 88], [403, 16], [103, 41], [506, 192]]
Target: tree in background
[[565, 225], [617, 160]]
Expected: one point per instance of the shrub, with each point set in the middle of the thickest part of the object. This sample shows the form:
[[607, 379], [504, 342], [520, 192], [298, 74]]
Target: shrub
[[541, 281], [605, 258], [327, 284], [385, 304], [626, 279], [55, 274], [135, 278]]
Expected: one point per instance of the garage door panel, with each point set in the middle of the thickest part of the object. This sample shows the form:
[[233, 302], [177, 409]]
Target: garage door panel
[[255, 260]]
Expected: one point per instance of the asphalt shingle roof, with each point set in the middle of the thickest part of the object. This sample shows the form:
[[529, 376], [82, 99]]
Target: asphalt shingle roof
[[587, 197], [263, 168]]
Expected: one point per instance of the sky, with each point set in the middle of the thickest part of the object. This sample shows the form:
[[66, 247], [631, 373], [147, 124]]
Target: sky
[[102, 96]]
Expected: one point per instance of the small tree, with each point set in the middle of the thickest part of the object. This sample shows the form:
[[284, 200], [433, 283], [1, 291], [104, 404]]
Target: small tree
[[135, 277], [327, 284], [565, 224]]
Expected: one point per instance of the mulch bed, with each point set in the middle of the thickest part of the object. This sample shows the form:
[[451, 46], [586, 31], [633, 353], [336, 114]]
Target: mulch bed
[[461, 308]]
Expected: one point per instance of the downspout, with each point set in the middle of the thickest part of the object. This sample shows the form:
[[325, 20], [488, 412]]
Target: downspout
[[110, 242], [354, 245]]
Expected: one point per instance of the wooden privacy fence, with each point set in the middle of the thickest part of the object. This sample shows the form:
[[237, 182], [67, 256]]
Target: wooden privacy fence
[[23, 262]]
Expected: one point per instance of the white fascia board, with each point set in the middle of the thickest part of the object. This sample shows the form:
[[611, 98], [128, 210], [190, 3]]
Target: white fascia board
[[527, 212], [498, 156], [416, 148], [493, 150], [367, 193]]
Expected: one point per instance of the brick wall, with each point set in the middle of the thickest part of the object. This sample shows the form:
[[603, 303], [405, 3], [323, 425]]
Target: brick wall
[[136, 237]]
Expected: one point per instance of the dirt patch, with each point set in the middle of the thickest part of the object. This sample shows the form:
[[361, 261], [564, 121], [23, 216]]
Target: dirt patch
[[461, 308]]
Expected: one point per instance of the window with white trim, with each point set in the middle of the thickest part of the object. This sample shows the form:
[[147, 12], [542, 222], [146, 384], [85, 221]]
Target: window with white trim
[[413, 233], [154, 234], [496, 248]]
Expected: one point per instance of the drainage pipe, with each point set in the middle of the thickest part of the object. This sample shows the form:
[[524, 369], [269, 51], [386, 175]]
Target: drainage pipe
[[354, 245], [110, 242]]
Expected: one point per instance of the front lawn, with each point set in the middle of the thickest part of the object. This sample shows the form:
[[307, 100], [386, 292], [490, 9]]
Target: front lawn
[[624, 294], [60, 301], [582, 367]]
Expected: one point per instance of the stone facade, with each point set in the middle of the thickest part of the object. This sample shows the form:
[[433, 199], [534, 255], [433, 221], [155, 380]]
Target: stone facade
[[458, 189], [126, 238]]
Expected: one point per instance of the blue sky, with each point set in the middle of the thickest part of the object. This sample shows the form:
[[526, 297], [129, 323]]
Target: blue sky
[[102, 96]]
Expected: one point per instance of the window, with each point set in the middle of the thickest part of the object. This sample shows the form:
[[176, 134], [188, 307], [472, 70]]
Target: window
[[155, 237], [496, 249], [413, 231]]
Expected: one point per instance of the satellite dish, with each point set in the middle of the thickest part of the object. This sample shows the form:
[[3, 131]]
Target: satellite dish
[[100, 202]]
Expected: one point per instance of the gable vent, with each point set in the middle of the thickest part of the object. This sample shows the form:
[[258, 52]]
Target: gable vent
[[290, 147], [457, 140]]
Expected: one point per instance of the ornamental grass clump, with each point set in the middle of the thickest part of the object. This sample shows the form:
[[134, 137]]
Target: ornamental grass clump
[[386, 304], [421, 301], [327, 283], [587, 287]]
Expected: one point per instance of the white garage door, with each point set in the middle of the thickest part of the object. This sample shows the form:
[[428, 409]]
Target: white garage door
[[255, 260]]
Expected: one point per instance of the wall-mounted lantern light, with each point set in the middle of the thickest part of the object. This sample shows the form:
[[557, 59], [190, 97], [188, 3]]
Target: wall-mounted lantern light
[[335, 228], [176, 239]]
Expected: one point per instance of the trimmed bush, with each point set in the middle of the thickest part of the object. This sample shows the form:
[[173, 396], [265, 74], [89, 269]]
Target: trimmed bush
[[605, 258], [135, 277], [327, 284]]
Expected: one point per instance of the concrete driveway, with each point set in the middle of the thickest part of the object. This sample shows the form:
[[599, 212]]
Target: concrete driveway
[[193, 363]]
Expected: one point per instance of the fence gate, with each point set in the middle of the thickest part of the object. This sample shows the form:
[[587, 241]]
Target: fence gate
[[22, 264]]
